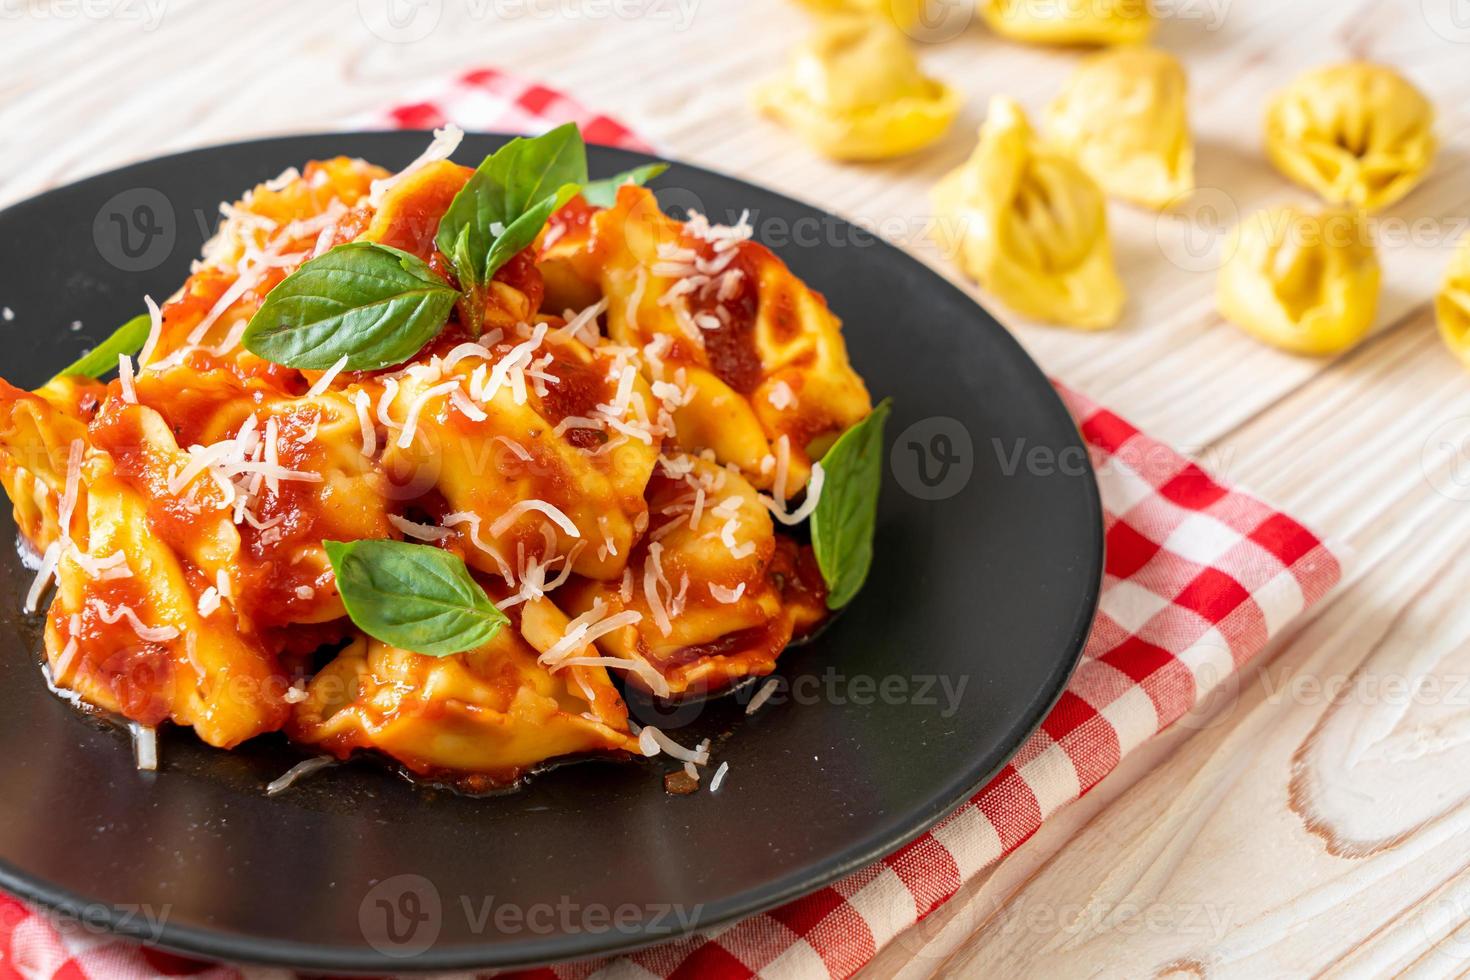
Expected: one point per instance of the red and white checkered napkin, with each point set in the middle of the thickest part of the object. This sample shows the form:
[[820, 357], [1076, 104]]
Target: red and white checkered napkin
[[1199, 577]]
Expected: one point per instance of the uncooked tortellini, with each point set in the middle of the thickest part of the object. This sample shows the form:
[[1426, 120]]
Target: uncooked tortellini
[[1355, 133], [1070, 21], [1124, 117], [1030, 226], [904, 13], [854, 91], [1303, 281], [1453, 304]]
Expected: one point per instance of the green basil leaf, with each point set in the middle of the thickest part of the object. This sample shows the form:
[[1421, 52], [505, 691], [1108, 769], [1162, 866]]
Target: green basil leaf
[[126, 339], [842, 524], [604, 193], [373, 304], [471, 303], [523, 230], [508, 199], [413, 596]]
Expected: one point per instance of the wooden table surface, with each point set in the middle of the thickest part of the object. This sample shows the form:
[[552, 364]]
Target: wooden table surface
[[1313, 817]]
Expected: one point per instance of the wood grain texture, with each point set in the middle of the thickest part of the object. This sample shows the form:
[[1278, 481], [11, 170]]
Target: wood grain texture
[[1312, 817]]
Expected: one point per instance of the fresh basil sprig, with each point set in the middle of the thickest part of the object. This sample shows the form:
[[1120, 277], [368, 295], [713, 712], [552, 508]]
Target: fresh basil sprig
[[413, 596], [126, 339], [604, 193], [507, 201], [843, 522], [375, 305]]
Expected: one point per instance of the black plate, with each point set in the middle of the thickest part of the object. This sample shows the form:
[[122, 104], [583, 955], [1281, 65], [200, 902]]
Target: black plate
[[989, 556]]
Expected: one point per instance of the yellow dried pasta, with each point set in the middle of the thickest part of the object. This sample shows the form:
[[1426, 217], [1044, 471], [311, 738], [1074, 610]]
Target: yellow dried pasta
[[1069, 21], [1124, 117], [1030, 226], [1452, 305], [1356, 133], [1303, 281], [854, 91]]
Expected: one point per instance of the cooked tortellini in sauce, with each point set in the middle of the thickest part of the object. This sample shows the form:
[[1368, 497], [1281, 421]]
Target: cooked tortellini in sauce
[[1124, 117], [1070, 21], [1304, 281], [1452, 305], [718, 592], [1358, 134], [465, 718], [1030, 226], [610, 447], [855, 91], [748, 360]]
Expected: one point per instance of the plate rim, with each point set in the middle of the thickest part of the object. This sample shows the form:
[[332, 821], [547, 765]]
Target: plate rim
[[222, 944]]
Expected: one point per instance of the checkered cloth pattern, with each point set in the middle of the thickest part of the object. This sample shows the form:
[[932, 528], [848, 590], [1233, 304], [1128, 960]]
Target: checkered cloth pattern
[[1198, 578], [490, 99]]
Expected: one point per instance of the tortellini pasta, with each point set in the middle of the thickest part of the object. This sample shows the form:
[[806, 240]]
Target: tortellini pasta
[[1304, 281], [602, 447], [1030, 226], [37, 432], [855, 91], [495, 710], [1452, 305], [718, 594], [904, 13], [1124, 117], [749, 360], [1070, 21], [182, 664], [1358, 134]]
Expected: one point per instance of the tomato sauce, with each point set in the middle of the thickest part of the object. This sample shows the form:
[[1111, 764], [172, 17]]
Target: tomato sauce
[[730, 348]]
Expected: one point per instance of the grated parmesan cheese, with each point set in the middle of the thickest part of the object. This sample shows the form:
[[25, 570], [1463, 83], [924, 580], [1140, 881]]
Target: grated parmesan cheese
[[781, 396], [654, 585], [419, 532], [586, 629], [325, 381], [149, 634], [652, 736], [411, 421], [505, 521], [43, 575], [145, 746], [297, 772], [472, 521], [68, 501], [125, 376], [155, 330], [442, 147], [362, 402], [726, 595], [762, 696], [468, 408], [776, 503]]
